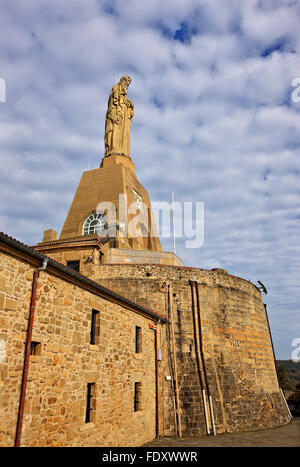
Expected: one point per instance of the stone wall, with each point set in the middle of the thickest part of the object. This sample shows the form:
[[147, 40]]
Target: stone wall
[[119, 255], [236, 350], [66, 362], [236, 346], [89, 256], [81, 254]]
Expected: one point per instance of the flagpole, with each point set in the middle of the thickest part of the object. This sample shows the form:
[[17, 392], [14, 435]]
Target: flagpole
[[173, 223]]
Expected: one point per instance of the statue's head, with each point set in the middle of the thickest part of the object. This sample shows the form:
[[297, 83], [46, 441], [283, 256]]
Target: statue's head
[[125, 81]]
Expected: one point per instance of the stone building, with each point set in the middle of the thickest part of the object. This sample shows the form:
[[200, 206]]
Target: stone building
[[106, 340], [91, 374]]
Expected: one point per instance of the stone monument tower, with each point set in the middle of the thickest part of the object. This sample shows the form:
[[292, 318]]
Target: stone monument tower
[[110, 219]]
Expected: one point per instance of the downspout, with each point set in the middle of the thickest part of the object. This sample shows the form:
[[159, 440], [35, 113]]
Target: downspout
[[171, 363], [195, 336], [27, 353], [175, 363], [203, 362], [198, 359], [154, 328], [156, 384]]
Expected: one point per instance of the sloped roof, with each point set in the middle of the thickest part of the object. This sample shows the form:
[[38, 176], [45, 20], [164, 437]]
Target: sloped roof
[[81, 278]]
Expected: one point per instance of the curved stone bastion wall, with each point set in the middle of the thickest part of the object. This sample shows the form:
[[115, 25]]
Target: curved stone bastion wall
[[222, 345]]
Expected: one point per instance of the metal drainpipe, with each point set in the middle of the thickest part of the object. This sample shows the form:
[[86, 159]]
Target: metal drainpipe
[[154, 328], [195, 335], [203, 362], [171, 366], [156, 384], [170, 294], [27, 353], [198, 359]]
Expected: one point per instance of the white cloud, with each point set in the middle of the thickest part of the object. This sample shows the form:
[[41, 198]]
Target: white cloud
[[271, 23]]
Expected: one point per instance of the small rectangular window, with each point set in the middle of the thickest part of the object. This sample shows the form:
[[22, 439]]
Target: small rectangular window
[[138, 339], [137, 397], [75, 265], [35, 348], [90, 403], [95, 327]]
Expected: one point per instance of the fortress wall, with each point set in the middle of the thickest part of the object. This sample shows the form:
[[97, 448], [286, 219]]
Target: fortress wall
[[237, 347]]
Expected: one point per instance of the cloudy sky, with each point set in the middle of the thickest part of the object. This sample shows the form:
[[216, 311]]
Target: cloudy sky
[[216, 121]]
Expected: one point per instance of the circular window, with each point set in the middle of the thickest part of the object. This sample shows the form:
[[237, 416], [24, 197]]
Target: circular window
[[94, 224]]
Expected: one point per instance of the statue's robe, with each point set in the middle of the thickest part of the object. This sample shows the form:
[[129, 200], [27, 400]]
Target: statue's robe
[[118, 120]]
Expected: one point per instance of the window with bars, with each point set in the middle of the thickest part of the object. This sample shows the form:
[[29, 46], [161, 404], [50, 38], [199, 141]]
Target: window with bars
[[35, 348], [90, 403], [95, 327], [137, 396], [138, 339], [75, 265]]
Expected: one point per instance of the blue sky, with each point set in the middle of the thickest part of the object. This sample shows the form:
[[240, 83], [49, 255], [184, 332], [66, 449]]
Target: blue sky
[[214, 122]]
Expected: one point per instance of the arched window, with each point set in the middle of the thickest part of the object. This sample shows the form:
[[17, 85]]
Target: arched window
[[94, 224]]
